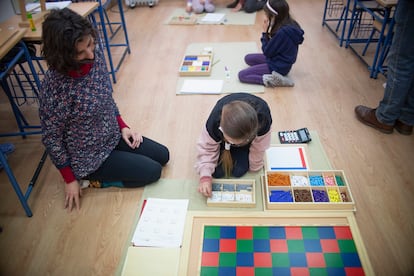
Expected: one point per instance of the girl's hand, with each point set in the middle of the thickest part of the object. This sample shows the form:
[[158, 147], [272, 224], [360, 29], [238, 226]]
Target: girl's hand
[[133, 139], [204, 186]]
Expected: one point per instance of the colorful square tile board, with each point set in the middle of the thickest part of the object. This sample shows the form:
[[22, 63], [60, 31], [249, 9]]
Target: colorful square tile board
[[196, 65], [228, 245]]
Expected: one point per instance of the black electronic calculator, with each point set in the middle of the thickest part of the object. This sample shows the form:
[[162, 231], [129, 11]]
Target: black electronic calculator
[[295, 136]]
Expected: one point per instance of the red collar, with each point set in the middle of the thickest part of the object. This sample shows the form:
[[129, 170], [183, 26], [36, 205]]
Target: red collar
[[83, 70]]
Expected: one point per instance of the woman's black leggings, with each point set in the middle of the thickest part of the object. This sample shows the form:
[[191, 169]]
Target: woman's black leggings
[[133, 167]]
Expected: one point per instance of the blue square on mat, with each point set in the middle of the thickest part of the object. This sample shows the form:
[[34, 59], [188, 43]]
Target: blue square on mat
[[228, 232], [351, 259], [326, 232], [298, 260], [335, 271], [211, 245], [277, 232], [261, 245], [281, 271], [244, 259], [312, 245], [227, 270]]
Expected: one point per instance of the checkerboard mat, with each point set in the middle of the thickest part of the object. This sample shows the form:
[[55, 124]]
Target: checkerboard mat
[[279, 250]]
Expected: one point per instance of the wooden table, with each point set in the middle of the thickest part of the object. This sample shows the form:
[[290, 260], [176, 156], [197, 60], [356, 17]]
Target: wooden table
[[82, 8]]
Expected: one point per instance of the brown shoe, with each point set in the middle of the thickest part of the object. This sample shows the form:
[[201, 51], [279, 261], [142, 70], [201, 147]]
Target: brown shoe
[[403, 128], [367, 116]]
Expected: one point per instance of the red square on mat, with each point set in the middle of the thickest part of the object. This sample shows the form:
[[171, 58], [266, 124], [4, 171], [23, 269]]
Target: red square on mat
[[294, 233], [244, 233], [262, 259], [244, 271], [329, 246], [343, 233], [354, 271], [228, 245], [210, 259], [278, 246], [299, 271], [315, 259]]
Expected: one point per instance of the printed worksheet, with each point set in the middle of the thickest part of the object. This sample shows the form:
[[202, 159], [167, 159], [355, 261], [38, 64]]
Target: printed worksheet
[[161, 223]]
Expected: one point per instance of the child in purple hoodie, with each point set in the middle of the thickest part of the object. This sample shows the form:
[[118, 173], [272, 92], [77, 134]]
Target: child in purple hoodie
[[280, 39]]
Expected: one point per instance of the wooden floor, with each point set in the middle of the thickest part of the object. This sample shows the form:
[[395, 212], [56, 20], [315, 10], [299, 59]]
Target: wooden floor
[[330, 82]]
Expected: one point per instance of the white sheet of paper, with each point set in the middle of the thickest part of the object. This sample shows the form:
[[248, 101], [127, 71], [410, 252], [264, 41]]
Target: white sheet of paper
[[286, 158], [213, 18], [161, 223], [202, 86]]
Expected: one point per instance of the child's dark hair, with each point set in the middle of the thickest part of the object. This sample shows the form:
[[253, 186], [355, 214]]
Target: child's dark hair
[[61, 30], [239, 121], [281, 18]]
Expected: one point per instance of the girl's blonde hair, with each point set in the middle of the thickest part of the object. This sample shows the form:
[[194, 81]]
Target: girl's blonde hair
[[239, 121]]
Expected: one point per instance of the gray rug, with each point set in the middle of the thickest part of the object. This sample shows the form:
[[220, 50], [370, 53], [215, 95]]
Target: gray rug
[[232, 18], [228, 56]]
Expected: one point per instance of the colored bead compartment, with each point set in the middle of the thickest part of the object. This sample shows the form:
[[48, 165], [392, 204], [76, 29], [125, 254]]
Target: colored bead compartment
[[232, 193], [196, 65], [307, 190]]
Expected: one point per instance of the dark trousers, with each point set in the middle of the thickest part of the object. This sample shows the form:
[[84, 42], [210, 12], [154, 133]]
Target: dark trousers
[[133, 167]]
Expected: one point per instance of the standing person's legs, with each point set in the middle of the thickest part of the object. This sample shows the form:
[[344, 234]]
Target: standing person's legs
[[398, 101], [396, 109]]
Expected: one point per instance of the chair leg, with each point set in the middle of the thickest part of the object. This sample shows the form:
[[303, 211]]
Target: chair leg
[[368, 42], [16, 187]]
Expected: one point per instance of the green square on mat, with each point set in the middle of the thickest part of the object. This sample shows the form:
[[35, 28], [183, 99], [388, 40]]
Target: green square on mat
[[333, 260], [280, 260], [263, 271], [296, 246], [212, 232], [317, 271], [245, 246], [227, 259], [310, 233], [347, 246], [260, 232], [209, 271]]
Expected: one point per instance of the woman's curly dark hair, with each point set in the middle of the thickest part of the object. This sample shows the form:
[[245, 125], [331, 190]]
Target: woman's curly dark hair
[[60, 32]]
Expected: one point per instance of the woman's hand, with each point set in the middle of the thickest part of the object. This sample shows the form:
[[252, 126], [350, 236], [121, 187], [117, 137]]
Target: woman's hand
[[133, 139], [73, 194], [204, 186]]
